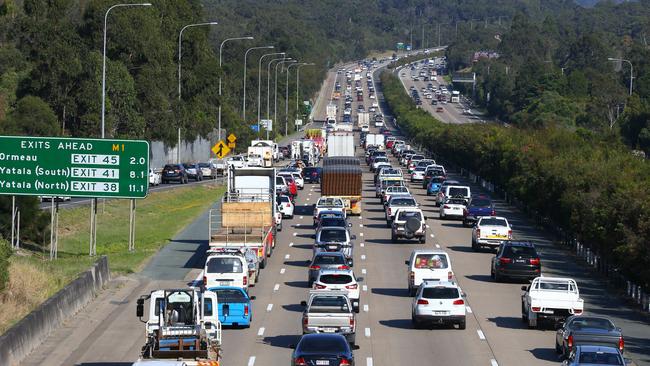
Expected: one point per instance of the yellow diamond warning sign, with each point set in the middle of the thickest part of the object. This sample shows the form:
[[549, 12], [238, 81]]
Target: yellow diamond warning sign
[[232, 137], [220, 149]]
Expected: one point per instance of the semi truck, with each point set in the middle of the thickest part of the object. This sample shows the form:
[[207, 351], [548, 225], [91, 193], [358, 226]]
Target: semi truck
[[341, 177], [375, 139], [363, 119], [331, 115], [246, 218], [340, 144], [274, 147], [263, 151], [183, 325]]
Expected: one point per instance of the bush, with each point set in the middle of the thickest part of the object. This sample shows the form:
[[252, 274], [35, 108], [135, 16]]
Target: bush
[[5, 253]]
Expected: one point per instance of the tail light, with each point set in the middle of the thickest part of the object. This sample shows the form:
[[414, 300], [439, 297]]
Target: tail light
[[569, 342], [412, 276], [245, 310], [245, 281], [577, 311], [478, 233], [314, 267], [493, 213], [536, 309], [621, 343], [459, 302], [505, 260], [352, 287], [445, 207], [352, 322], [319, 287], [534, 261], [465, 212], [423, 302], [510, 234], [344, 362], [343, 267], [300, 362], [305, 321], [205, 281], [288, 205], [450, 275]]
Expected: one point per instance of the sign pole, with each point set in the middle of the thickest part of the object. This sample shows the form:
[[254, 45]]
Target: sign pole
[[93, 227], [56, 231], [132, 226], [18, 231], [13, 219], [52, 229]]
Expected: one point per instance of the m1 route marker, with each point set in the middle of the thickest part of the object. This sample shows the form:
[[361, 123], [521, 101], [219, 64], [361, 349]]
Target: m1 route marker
[[53, 166]]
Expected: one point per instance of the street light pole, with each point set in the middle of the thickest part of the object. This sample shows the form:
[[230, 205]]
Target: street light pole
[[275, 94], [180, 54], [268, 84], [221, 69], [298, 84], [259, 90], [104, 60], [286, 99], [243, 114], [631, 69]]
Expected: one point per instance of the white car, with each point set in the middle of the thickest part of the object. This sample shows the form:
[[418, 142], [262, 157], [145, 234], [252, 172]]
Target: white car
[[238, 161], [427, 264], [380, 160], [550, 298], [154, 177], [490, 231], [365, 128], [395, 191], [454, 207], [300, 182], [225, 268], [379, 123], [255, 160], [285, 206], [418, 174], [439, 302], [339, 280]]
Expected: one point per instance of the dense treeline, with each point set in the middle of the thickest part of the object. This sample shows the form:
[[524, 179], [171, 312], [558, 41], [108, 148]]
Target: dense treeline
[[589, 185]]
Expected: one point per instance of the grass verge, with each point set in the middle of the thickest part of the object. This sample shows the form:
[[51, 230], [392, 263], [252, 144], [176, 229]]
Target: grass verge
[[33, 278]]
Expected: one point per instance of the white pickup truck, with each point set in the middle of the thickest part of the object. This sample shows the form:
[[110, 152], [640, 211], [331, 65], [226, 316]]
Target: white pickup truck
[[329, 312], [490, 231], [550, 298]]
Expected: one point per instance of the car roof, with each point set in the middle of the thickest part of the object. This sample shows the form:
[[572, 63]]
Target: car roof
[[333, 228], [326, 271], [518, 243], [429, 251], [432, 283], [227, 288], [603, 349]]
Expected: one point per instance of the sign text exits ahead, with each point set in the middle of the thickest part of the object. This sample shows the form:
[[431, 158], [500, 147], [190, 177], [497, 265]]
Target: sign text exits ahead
[[54, 166]]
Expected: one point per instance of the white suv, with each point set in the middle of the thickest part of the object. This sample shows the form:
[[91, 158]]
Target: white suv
[[339, 280], [439, 302], [427, 265], [285, 206], [225, 268]]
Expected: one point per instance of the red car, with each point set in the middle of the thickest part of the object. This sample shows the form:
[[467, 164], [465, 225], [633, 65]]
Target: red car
[[291, 183]]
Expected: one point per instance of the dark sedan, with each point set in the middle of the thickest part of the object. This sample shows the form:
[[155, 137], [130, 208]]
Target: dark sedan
[[587, 330], [322, 349], [312, 174]]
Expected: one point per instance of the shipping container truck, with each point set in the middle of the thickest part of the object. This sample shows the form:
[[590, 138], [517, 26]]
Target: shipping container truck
[[341, 177], [363, 119], [375, 139], [246, 218]]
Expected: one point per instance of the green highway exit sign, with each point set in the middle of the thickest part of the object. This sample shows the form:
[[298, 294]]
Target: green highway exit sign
[[53, 166]]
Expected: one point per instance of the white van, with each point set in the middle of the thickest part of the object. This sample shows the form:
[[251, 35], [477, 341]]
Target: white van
[[226, 269], [427, 265], [453, 191]]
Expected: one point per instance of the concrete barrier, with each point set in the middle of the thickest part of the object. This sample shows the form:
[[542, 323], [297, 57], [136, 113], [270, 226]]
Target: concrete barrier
[[26, 335]]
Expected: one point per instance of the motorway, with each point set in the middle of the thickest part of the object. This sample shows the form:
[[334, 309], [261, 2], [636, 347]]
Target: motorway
[[108, 333]]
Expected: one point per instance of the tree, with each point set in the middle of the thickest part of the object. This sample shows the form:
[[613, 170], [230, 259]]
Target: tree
[[32, 117]]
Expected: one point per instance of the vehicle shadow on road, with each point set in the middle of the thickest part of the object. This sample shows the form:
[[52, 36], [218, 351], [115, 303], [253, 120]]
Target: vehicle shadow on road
[[397, 323], [294, 307], [303, 246], [480, 278], [396, 292], [282, 341], [299, 284], [508, 322], [304, 263], [446, 223], [464, 249], [380, 241], [546, 354]]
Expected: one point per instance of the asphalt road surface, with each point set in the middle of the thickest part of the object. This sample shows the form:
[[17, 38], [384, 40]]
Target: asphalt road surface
[[108, 333]]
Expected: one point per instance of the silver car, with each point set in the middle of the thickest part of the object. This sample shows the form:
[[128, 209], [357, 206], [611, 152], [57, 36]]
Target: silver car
[[335, 239], [325, 260]]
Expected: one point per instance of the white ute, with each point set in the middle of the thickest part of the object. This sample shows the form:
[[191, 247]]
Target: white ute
[[550, 298]]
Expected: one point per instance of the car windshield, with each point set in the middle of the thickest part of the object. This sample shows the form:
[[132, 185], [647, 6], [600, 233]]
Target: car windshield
[[458, 191], [419, 169], [431, 261], [171, 167], [381, 159], [492, 221], [392, 183], [335, 279], [397, 189], [224, 265], [333, 235], [325, 259], [323, 345], [333, 221], [456, 201], [519, 251], [440, 293], [279, 181], [204, 165], [329, 304], [403, 202], [600, 358], [405, 215], [230, 295], [330, 202], [481, 202], [284, 199], [585, 322]]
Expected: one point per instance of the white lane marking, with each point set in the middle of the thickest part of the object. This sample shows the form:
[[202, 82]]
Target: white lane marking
[[363, 245], [282, 270], [363, 257], [260, 332], [297, 225], [251, 361], [367, 332], [302, 217], [276, 287], [295, 234], [480, 334], [360, 234], [363, 270], [365, 308], [287, 256], [360, 225], [365, 288], [309, 194], [469, 310], [360, 218], [438, 246], [291, 244], [368, 361], [307, 198], [432, 236], [494, 362], [269, 307]]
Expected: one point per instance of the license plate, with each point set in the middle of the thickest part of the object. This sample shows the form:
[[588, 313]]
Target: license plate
[[520, 261], [496, 237], [439, 313], [333, 247], [322, 362], [329, 330], [224, 283]]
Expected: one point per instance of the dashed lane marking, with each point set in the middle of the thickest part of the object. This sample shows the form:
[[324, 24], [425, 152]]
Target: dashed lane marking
[[367, 332], [307, 198], [291, 244], [365, 288], [433, 236], [494, 362], [251, 361], [480, 334], [302, 217], [469, 310], [363, 257], [368, 361], [287, 256], [260, 332], [360, 234], [438, 246], [269, 307], [276, 287], [360, 225], [363, 245], [363, 270], [295, 234], [282, 270], [365, 308]]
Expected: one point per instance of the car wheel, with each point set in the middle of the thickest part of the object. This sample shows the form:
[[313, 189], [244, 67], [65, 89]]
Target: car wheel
[[423, 239], [474, 246], [263, 263], [280, 227], [492, 273], [497, 277], [416, 323], [462, 324], [393, 238], [290, 216], [558, 349]]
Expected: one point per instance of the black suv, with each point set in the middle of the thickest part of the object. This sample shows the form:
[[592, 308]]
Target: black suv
[[311, 174], [516, 260], [174, 172]]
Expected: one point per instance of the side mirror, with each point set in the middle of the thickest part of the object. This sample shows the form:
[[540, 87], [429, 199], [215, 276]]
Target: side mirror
[[353, 237], [359, 279], [559, 325], [292, 346], [406, 262], [303, 303], [349, 224], [139, 311], [464, 294], [524, 288], [253, 297]]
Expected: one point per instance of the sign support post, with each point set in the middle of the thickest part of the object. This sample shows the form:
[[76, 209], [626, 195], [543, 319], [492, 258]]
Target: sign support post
[[132, 226], [13, 219]]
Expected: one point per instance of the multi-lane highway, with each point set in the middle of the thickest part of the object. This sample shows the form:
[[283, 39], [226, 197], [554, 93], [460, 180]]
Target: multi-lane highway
[[108, 333]]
